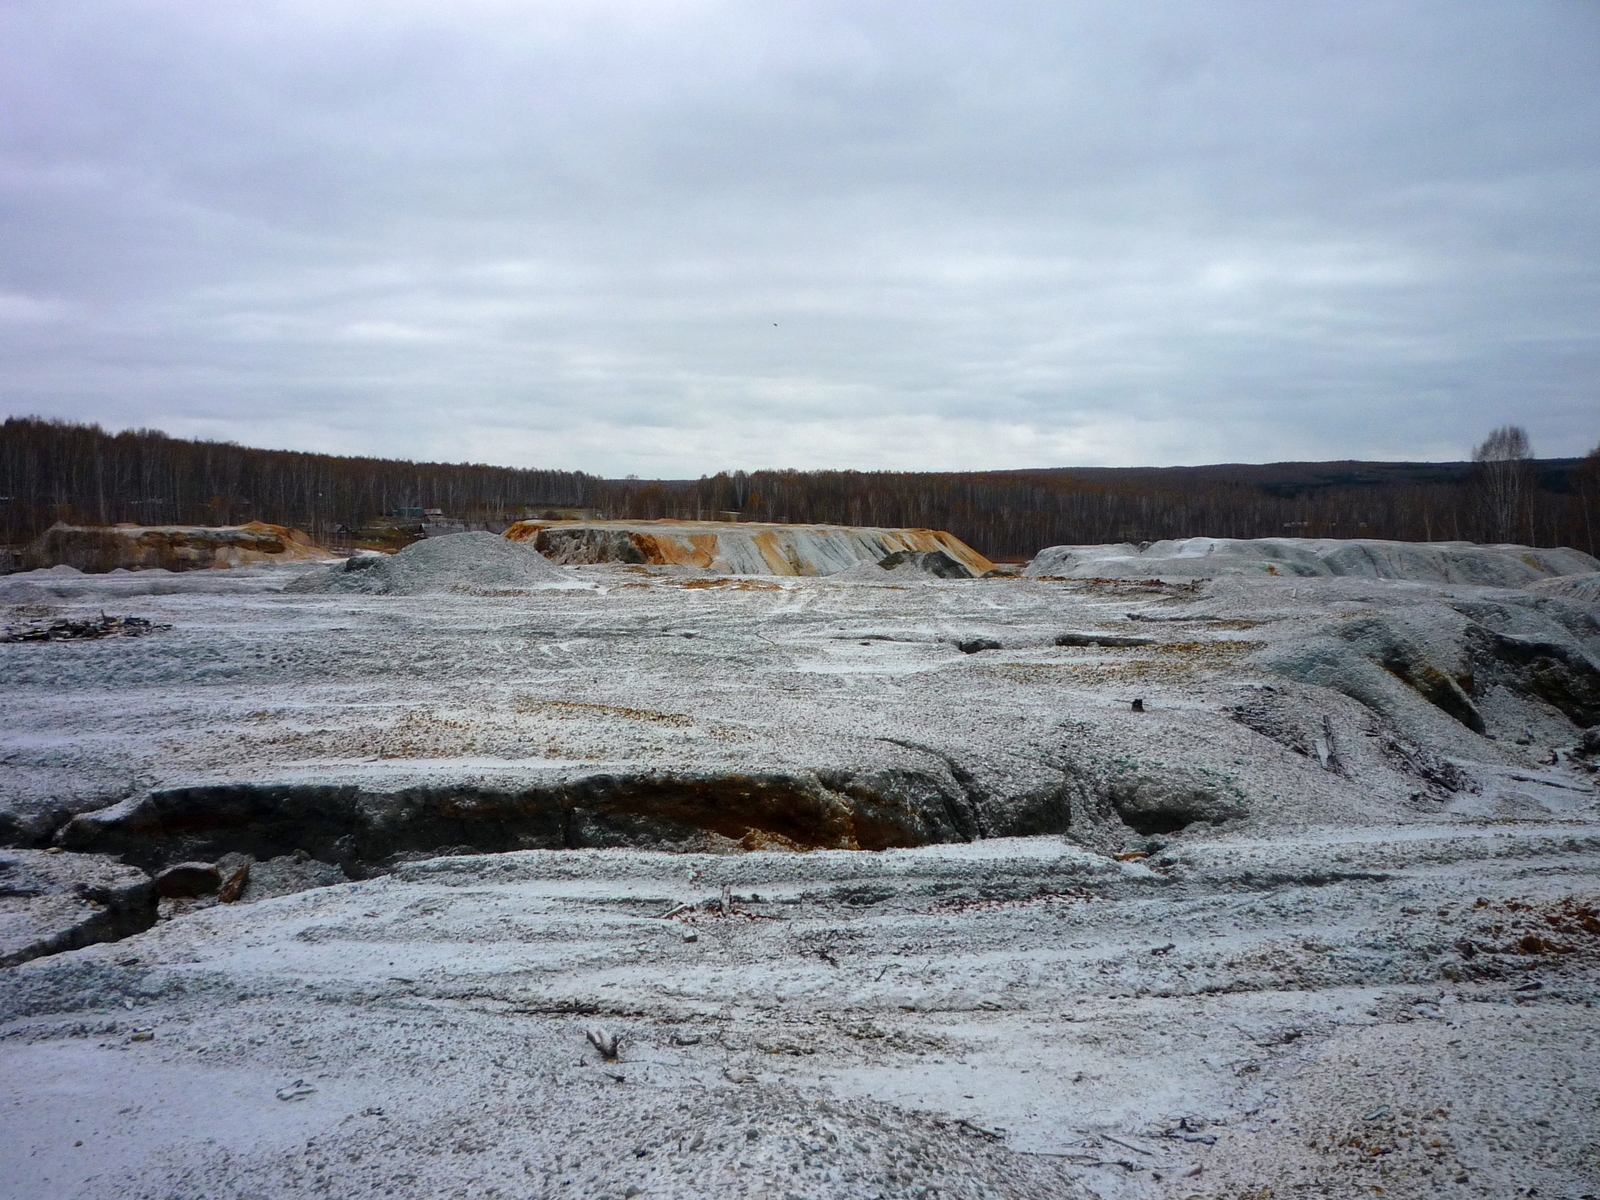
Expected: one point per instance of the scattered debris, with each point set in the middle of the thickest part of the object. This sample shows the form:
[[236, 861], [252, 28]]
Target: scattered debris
[[1109, 640], [298, 1090], [1128, 1145], [1327, 747], [65, 630], [604, 1042]]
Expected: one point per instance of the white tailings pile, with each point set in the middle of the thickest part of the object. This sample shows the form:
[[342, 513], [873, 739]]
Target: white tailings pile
[[459, 562], [1207, 557], [743, 548]]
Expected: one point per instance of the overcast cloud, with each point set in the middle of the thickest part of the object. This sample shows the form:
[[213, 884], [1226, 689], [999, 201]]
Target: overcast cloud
[[672, 237]]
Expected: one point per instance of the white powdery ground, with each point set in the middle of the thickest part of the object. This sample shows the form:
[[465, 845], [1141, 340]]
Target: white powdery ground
[[1310, 1001]]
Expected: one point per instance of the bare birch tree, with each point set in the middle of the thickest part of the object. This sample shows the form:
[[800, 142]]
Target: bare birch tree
[[1586, 480], [1503, 479]]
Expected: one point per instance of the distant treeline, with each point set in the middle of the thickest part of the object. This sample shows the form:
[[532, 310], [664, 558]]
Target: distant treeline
[[59, 470], [53, 470]]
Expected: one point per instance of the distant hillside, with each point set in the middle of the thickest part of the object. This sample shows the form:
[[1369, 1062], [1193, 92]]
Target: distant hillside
[[54, 470]]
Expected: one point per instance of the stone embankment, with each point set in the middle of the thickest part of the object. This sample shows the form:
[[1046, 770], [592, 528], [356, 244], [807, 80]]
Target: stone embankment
[[744, 548], [100, 548]]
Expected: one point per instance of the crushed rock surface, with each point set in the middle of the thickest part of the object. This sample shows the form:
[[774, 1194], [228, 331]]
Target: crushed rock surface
[[1368, 961], [1014, 1018]]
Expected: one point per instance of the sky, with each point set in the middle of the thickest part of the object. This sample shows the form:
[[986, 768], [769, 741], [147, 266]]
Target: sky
[[669, 238]]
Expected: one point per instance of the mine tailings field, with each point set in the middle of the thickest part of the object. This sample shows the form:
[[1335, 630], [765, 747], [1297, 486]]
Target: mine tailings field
[[703, 862]]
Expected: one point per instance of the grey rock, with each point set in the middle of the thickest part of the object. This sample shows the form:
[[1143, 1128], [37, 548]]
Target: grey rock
[[1103, 639], [929, 562]]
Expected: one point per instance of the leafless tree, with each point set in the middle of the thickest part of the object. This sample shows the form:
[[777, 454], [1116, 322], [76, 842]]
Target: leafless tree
[[1503, 479], [1586, 482]]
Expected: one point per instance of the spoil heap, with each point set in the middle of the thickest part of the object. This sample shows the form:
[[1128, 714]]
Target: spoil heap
[[101, 548], [459, 562], [1207, 558], [742, 548]]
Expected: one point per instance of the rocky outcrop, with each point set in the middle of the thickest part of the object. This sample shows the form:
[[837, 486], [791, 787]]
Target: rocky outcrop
[[1207, 557], [101, 548], [362, 832], [1452, 657], [289, 837], [50, 902], [746, 548], [1560, 674]]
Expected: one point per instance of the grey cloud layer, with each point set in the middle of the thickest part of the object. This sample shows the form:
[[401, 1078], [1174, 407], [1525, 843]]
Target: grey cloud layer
[[668, 238]]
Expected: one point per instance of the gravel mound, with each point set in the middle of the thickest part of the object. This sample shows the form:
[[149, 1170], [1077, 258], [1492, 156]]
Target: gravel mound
[[458, 562]]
